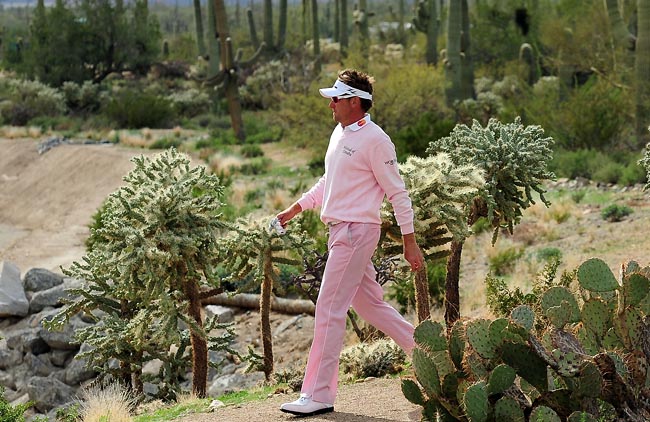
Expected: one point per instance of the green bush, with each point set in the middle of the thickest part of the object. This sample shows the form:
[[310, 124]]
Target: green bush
[[402, 290], [264, 88], [378, 359], [504, 261], [615, 212], [599, 166], [24, 100], [190, 102], [255, 166], [84, 98], [166, 142], [549, 254], [9, 413], [414, 140], [251, 150], [134, 109]]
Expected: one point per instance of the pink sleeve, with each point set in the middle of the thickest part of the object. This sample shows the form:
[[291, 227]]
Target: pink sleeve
[[385, 168], [313, 197]]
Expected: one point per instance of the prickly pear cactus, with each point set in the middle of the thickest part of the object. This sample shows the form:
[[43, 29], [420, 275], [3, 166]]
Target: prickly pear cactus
[[570, 356]]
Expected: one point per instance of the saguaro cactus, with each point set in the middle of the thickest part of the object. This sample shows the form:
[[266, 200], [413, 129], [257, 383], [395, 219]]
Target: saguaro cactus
[[426, 21], [642, 71]]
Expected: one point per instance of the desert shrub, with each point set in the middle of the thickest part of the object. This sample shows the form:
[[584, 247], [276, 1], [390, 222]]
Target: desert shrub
[[9, 413], [615, 212], [134, 109], [255, 166], [251, 150], [578, 195], [593, 115], [263, 89], [503, 262], [84, 98], [485, 106], [25, 100], [166, 142], [106, 403], [549, 254], [378, 359], [306, 119], [414, 139], [599, 166], [190, 102]]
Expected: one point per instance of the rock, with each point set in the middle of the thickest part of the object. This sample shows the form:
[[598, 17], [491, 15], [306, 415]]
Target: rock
[[27, 340], [39, 365], [38, 279], [60, 357], [78, 370], [215, 404], [223, 313], [48, 393], [53, 296], [13, 301], [63, 339], [7, 380], [234, 382], [10, 358]]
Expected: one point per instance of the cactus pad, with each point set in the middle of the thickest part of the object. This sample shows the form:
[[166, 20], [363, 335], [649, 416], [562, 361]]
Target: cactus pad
[[590, 381], [457, 343], [478, 335], [426, 373], [430, 336], [554, 297], [543, 413], [628, 327], [595, 316], [594, 275], [581, 417], [476, 403], [568, 362], [635, 289], [560, 315], [501, 378], [412, 392], [524, 316], [526, 363], [506, 409]]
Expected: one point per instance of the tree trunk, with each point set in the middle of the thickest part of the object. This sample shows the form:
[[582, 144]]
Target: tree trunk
[[252, 301], [199, 343], [452, 294], [265, 315], [422, 295]]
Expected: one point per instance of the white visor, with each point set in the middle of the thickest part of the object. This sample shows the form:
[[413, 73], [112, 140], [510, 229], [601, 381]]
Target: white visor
[[342, 90]]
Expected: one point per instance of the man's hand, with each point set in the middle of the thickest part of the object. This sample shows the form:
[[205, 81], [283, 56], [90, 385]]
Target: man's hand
[[412, 252], [289, 213]]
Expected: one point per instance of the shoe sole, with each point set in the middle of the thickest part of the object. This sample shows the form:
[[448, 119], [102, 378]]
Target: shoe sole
[[315, 412]]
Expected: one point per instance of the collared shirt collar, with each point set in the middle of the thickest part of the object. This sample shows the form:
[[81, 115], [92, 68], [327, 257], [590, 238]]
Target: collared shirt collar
[[359, 123]]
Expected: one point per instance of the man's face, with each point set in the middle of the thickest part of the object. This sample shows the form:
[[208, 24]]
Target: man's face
[[341, 108]]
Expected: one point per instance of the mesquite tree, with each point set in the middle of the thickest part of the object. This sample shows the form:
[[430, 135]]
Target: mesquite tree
[[150, 264], [515, 161], [438, 191], [251, 255]]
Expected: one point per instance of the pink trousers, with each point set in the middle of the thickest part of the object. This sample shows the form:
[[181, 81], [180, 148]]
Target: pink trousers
[[348, 280]]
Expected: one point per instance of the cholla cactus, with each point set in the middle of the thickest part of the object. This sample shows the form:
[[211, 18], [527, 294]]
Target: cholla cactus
[[645, 163], [149, 266]]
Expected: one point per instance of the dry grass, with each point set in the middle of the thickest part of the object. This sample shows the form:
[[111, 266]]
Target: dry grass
[[106, 403], [224, 164], [15, 132]]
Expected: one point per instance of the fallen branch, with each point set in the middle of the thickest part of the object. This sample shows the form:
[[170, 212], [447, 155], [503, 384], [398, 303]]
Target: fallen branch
[[252, 301]]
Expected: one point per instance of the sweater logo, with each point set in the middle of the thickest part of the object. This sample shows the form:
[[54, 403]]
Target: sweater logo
[[349, 151], [390, 162]]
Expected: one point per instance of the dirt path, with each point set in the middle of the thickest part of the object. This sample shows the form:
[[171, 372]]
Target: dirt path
[[374, 400]]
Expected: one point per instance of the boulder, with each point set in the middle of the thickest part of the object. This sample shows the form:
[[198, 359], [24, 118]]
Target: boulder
[[78, 370], [13, 301], [47, 393], [10, 358], [222, 313], [39, 365], [234, 382], [63, 339], [27, 340], [38, 279], [53, 296]]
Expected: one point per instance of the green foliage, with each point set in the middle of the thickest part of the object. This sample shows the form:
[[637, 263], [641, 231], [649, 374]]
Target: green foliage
[[377, 359], [615, 212], [593, 115], [514, 158], [402, 290], [25, 100], [251, 150], [599, 166], [503, 262], [9, 413], [264, 88], [134, 110], [549, 254], [644, 162], [153, 253], [190, 102], [84, 98], [166, 142], [567, 352], [414, 139]]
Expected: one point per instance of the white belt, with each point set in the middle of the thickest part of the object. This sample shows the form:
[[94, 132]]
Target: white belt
[[333, 223]]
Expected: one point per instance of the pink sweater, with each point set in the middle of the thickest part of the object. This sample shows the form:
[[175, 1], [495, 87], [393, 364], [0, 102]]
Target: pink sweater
[[360, 170]]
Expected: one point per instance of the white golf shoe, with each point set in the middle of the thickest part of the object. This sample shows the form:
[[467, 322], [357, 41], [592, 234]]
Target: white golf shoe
[[305, 406]]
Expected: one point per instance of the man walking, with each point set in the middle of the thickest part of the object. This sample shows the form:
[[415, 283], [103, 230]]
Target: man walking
[[360, 171]]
